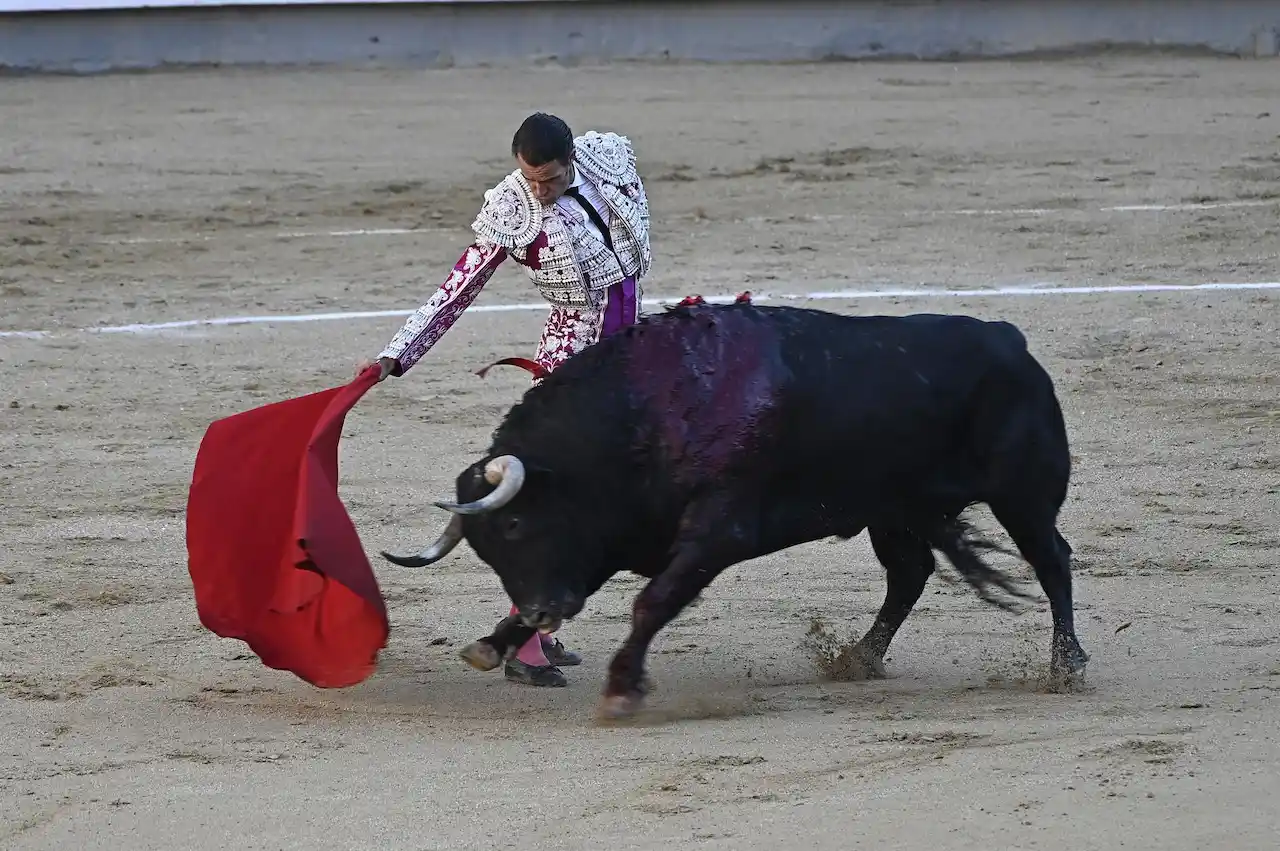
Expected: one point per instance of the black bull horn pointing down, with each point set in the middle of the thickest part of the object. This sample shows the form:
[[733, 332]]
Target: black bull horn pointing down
[[507, 474]]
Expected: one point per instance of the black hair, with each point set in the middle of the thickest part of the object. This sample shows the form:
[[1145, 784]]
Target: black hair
[[541, 139]]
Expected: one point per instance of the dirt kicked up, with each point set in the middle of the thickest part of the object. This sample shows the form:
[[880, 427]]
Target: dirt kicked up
[[144, 199]]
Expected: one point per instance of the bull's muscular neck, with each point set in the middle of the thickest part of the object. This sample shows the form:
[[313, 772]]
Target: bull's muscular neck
[[583, 426], [577, 423]]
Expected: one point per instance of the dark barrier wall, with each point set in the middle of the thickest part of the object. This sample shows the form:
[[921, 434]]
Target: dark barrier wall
[[469, 33]]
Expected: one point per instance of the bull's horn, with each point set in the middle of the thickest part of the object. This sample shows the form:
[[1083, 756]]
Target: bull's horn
[[449, 539], [505, 471]]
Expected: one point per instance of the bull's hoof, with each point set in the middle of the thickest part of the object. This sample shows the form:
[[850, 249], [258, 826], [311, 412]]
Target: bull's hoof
[[1064, 682], [619, 707], [1067, 664], [857, 663], [1065, 676], [481, 655]]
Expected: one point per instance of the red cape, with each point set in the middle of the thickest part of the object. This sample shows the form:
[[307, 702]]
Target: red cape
[[273, 556]]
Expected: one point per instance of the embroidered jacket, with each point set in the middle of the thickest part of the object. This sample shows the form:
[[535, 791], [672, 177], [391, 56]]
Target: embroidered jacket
[[569, 264]]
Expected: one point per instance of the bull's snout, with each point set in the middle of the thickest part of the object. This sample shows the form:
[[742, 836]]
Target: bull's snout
[[547, 616], [544, 623]]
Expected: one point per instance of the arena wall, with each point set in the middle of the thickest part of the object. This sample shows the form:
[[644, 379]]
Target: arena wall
[[86, 36]]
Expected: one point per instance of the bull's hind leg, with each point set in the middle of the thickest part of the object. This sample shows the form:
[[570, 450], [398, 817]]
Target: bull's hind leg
[[1049, 555], [908, 562]]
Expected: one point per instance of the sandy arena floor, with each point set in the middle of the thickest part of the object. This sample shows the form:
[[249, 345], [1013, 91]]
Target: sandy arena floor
[[142, 199]]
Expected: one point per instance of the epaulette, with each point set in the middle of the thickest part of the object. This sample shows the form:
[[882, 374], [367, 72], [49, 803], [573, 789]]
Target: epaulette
[[511, 216], [606, 157]]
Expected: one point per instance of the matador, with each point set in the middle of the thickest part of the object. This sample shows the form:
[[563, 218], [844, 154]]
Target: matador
[[575, 215]]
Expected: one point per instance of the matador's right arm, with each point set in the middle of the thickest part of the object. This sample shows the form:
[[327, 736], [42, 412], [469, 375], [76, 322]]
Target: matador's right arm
[[510, 219]]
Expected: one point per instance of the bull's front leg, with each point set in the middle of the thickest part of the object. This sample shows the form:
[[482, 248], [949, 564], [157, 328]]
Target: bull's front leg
[[666, 595], [485, 654]]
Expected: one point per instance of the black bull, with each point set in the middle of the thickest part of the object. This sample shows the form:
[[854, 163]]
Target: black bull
[[707, 436]]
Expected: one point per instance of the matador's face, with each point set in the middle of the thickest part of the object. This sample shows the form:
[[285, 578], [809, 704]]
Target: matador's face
[[549, 180]]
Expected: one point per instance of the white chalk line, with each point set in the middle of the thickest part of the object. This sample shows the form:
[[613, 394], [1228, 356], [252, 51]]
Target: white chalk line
[[281, 235], [833, 295], [1124, 208], [835, 217]]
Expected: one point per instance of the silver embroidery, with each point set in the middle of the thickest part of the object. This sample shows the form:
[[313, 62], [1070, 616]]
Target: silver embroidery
[[572, 267], [607, 157], [511, 215], [424, 328], [610, 162]]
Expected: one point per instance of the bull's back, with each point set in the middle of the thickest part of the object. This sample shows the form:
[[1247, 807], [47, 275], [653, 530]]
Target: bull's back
[[890, 399], [860, 369], [782, 394], [906, 408], [781, 387]]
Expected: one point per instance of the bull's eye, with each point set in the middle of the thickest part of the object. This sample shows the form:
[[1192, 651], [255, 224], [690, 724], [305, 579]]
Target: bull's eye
[[511, 527]]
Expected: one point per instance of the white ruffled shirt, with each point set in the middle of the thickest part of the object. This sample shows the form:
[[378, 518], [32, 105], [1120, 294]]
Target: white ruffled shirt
[[589, 194]]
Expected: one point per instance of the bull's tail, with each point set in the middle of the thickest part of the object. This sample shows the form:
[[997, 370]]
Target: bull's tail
[[963, 545]]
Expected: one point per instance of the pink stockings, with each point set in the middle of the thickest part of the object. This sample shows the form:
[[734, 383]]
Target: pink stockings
[[531, 653]]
